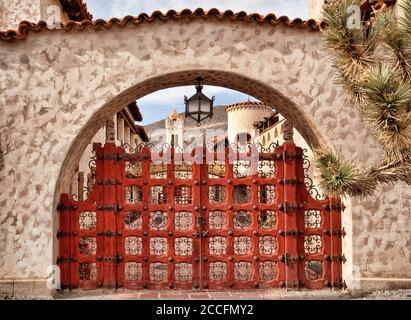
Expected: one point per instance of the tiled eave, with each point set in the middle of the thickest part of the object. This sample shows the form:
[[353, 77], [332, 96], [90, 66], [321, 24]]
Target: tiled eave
[[26, 27]]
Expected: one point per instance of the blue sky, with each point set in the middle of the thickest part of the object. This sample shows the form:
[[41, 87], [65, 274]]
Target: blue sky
[[159, 104]]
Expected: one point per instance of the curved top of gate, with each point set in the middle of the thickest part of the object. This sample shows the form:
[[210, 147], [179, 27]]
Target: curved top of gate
[[26, 27]]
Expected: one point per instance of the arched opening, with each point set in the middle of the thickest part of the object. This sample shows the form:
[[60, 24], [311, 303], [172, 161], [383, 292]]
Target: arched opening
[[241, 193]]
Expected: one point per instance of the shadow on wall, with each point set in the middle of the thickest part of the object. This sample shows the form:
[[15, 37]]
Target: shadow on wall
[[1, 157]]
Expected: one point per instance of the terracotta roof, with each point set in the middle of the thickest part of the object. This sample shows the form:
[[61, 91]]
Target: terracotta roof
[[142, 133], [250, 104], [135, 111], [76, 10], [25, 27]]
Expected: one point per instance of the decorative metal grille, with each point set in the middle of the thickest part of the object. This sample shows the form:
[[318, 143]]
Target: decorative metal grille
[[267, 270], [158, 195], [242, 194], [158, 220], [312, 219], [242, 245], [217, 170], [312, 244], [133, 195], [241, 169], [267, 245], [267, 219], [183, 170], [217, 220], [133, 271], [183, 195], [158, 170], [88, 245], [217, 245], [217, 194], [158, 271], [133, 246], [313, 269], [183, 272], [242, 270], [266, 169], [134, 169], [217, 271], [242, 220], [158, 246], [183, 221], [183, 246], [87, 220], [266, 194], [133, 220], [87, 271]]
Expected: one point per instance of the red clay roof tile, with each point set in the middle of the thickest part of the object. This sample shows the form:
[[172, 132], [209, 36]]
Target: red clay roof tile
[[25, 27]]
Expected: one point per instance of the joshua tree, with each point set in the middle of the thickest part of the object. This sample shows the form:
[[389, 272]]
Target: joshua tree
[[373, 65]]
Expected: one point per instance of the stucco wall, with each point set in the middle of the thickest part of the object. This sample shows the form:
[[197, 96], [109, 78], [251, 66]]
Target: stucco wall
[[13, 12], [57, 88]]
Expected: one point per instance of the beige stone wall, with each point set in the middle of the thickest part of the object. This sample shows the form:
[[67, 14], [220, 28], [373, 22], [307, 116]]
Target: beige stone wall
[[57, 89], [12, 12]]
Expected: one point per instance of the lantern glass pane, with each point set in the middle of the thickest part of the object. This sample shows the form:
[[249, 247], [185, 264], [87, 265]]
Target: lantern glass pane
[[193, 106], [205, 106]]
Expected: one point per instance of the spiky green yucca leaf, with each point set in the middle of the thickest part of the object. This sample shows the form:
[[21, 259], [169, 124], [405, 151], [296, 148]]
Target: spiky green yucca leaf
[[379, 81], [341, 177], [397, 40], [353, 50], [386, 109], [405, 18]]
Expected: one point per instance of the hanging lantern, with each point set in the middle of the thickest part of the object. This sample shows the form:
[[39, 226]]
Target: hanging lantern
[[199, 106]]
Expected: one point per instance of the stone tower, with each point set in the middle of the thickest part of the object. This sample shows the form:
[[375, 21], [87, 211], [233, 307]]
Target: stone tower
[[175, 129], [242, 116]]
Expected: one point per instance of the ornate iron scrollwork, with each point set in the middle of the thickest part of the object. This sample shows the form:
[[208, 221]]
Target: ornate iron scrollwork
[[312, 189]]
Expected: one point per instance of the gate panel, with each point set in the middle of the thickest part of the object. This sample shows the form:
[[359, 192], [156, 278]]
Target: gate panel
[[231, 219]]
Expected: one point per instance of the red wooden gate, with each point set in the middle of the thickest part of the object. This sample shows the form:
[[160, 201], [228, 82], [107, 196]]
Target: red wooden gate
[[208, 219]]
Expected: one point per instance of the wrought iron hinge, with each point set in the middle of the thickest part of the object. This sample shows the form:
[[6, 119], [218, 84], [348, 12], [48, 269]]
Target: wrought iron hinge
[[61, 234], [338, 233], [287, 258], [335, 258], [135, 157], [61, 260], [291, 232], [289, 181], [116, 208], [111, 156], [61, 208], [114, 259], [334, 207], [110, 234], [291, 156], [111, 182], [287, 207]]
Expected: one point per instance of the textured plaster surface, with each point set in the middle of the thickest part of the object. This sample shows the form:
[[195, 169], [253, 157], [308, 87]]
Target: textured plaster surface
[[58, 88], [13, 12]]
